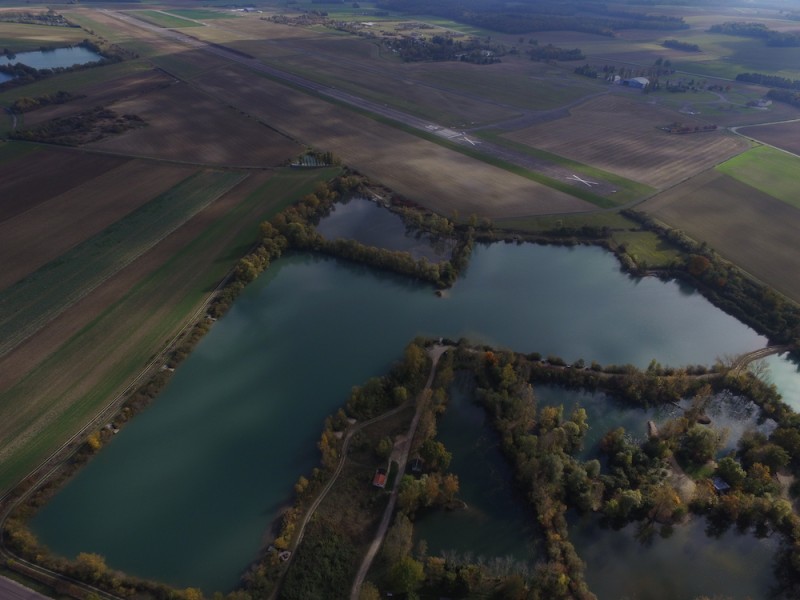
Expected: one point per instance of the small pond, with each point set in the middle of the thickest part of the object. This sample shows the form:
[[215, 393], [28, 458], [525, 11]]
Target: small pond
[[53, 59], [367, 222], [496, 522]]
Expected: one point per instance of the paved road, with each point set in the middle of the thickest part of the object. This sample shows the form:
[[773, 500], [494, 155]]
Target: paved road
[[11, 590]]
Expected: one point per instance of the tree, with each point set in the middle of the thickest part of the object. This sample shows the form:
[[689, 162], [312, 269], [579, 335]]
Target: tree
[[407, 575], [731, 471], [90, 567], [369, 592], [699, 444]]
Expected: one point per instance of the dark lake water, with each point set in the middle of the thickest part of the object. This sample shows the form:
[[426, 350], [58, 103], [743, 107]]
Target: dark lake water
[[51, 59], [684, 566], [185, 493], [496, 521], [366, 222]]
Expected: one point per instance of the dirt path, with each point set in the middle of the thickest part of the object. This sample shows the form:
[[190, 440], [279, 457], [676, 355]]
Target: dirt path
[[435, 353]]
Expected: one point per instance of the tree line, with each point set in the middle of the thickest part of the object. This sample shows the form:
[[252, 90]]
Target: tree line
[[784, 39]]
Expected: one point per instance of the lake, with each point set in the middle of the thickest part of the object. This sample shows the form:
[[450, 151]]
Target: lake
[[53, 59], [185, 493], [367, 222]]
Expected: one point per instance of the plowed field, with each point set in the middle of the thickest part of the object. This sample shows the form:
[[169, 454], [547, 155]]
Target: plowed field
[[746, 226], [621, 135]]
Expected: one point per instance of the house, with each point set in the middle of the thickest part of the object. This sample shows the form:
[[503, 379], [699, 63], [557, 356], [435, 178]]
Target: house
[[415, 466], [638, 82], [380, 478]]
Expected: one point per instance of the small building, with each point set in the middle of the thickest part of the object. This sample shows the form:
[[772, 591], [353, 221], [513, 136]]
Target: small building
[[638, 82], [380, 478], [720, 485], [415, 466]]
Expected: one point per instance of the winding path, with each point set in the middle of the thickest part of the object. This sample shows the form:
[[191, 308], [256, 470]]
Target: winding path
[[435, 353]]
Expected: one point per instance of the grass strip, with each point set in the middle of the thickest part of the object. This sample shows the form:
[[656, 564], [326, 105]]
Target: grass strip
[[767, 169], [168, 21]]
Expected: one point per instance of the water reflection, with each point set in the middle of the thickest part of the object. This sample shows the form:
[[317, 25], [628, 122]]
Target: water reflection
[[367, 222]]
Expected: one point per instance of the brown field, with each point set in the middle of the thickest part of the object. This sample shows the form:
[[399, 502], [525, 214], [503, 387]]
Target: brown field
[[620, 135], [355, 64], [102, 94], [746, 226], [44, 232], [433, 176], [785, 136], [21, 187], [184, 124]]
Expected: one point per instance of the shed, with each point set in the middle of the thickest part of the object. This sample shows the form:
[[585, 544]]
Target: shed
[[720, 485], [638, 82]]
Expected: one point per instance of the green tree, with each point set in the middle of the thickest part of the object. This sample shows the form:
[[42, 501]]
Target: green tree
[[90, 567], [407, 575]]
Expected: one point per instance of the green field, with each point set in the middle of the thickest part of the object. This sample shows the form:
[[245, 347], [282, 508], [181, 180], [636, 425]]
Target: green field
[[165, 20], [173, 292], [767, 169], [646, 248], [29, 304], [20, 37], [201, 15]]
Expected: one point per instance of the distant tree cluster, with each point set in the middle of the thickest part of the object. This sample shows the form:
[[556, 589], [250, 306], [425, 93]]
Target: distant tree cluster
[[760, 31], [82, 128], [678, 45], [26, 104], [551, 52], [49, 18], [441, 48], [774, 81]]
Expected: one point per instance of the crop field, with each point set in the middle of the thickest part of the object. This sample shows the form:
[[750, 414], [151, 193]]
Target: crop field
[[185, 124], [621, 135], [163, 19], [781, 135], [723, 212], [20, 37], [77, 81], [32, 302], [772, 171], [59, 217], [427, 173], [110, 335]]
